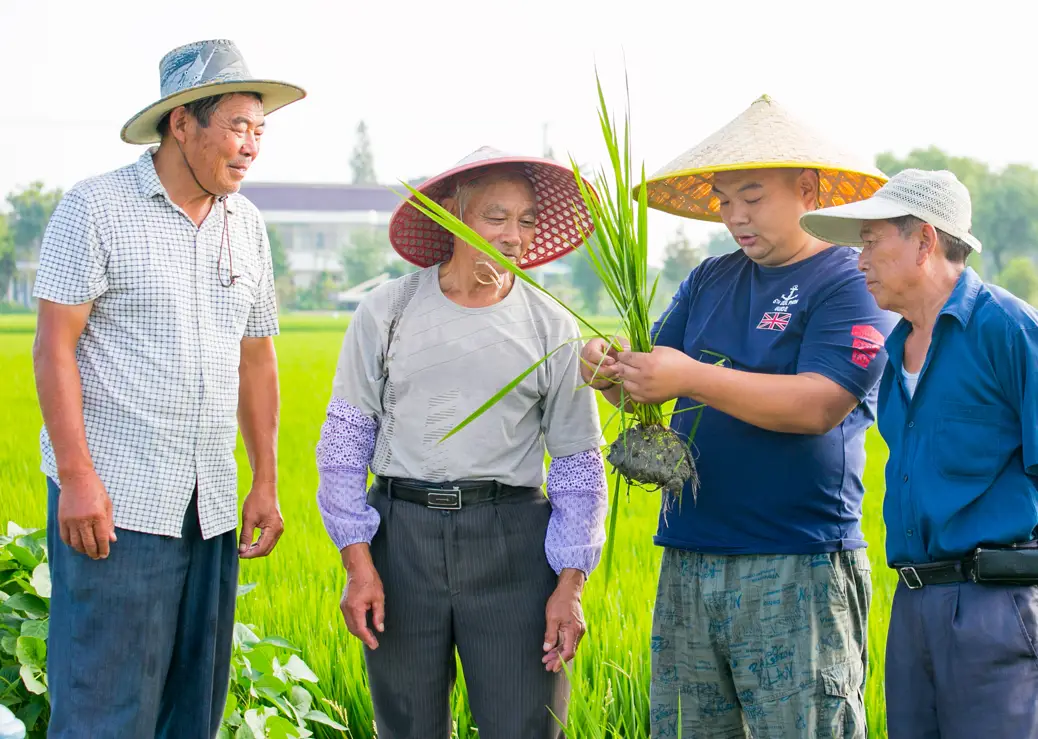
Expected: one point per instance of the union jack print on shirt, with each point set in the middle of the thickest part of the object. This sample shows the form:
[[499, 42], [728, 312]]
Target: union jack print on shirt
[[774, 321]]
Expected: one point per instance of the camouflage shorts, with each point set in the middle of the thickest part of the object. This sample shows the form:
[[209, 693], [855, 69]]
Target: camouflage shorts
[[762, 646]]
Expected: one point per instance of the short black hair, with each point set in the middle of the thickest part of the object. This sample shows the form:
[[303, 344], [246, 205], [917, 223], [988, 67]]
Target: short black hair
[[202, 109], [956, 250]]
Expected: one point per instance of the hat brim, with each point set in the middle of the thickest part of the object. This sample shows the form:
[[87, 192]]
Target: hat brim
[[424, 243], [143, 127], [689, 193], [842, 224]]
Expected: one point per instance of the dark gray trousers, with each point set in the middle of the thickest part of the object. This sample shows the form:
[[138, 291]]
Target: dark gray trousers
[[140, 643], [961, 662], [476, 580]]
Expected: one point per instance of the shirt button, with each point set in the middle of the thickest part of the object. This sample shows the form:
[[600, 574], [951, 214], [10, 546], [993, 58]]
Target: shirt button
[[911, 424], [905, 478], [909, 532]]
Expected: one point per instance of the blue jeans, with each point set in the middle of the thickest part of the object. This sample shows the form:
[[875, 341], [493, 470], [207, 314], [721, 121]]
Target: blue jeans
[[961, 662], [140, 642]]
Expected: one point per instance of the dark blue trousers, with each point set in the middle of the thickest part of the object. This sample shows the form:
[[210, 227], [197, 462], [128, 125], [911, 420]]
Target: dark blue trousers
[[140, 642], [961, 663]]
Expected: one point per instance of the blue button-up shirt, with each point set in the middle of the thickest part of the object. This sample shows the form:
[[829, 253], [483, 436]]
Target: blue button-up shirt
[[963, 467]]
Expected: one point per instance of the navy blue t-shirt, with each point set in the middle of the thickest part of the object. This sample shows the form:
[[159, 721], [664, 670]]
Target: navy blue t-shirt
[[765, 492]]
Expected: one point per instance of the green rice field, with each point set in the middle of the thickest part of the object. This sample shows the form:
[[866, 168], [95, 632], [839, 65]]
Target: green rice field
[[301, 582]]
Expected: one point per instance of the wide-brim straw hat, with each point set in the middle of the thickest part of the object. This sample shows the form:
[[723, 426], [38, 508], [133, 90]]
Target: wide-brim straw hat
[[765, 136], [198, 70], [560, 206]]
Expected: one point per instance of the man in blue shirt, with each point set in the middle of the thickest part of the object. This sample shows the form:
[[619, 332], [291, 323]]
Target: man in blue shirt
[[958, 407], [761, 615]]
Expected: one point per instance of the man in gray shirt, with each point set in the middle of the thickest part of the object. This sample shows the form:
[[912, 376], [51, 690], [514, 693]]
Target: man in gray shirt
[[156, 318], [456, 546]]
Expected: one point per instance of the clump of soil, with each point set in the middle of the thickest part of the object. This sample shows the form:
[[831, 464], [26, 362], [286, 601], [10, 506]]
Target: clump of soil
[[654, 456]]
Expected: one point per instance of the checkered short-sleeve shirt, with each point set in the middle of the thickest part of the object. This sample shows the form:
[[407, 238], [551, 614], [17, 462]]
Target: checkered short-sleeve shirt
[[159, 356]]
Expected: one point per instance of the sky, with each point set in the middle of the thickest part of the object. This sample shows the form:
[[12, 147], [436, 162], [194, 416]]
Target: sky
[[437, 80]]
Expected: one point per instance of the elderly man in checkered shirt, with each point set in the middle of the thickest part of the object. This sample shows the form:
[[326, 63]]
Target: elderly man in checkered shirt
[[156, 318]]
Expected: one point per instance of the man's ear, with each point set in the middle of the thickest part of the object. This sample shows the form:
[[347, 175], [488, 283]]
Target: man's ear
[[450, 203], [929, 243], [179, 123], [807, 187]]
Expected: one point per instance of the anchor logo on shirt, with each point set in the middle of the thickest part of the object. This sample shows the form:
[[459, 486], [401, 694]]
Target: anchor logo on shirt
[[779, 318], [790, 298]]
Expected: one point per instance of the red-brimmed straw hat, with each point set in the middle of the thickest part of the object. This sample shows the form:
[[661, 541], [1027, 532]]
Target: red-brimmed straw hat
[[559, 206]]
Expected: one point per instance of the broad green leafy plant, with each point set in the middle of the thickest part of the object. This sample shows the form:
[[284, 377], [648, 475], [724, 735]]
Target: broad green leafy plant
[[273, 693], [24, 612]]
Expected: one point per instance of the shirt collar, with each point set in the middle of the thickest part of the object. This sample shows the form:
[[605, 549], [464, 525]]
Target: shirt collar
[[963, 296], [147, 177], [959, 305], [150, 184]]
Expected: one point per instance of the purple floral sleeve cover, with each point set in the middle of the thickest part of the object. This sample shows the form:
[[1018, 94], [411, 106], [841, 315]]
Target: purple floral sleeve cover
[[344, 453], [576, 530]]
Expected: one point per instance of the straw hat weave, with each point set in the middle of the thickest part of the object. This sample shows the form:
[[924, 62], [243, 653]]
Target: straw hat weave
[[765, 136]]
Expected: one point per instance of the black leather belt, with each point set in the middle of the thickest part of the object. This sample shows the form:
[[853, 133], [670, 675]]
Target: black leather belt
[[935, 573], [450, 496], [1016, 564]]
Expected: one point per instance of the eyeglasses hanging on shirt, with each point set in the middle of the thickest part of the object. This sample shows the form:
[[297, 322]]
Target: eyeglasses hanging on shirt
[[225, 238]]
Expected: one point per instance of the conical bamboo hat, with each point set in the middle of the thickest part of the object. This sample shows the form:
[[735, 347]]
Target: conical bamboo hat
[[765, 136]]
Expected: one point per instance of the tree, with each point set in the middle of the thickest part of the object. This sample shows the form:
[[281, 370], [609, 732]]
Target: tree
[[397, 267], [1005, 204], [585, 280], [1021, 278], [31, 208], [679, 257], [318, 295], [277, 252], [366, 256], [283, 286], [362, 161], [719, 243], [8, 261]]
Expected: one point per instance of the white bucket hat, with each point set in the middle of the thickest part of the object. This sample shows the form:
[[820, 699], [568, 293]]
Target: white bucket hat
[[198, 70], [937, 198]]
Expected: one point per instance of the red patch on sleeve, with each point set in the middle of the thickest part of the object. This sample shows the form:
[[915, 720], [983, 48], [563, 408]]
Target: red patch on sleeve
[[866, 345], [865, 331]]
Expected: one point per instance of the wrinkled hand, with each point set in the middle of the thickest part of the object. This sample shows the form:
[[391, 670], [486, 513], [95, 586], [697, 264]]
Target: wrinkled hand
[[260, 511], [565, 621], [85, 515], [656, 376], [363, 593], [598, 360]]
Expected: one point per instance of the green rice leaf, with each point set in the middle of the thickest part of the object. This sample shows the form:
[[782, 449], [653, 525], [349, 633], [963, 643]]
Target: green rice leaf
[[505, 390]]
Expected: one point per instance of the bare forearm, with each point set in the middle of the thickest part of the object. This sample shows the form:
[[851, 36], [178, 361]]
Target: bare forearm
[[258, 408], [60, 393], [792, 404]]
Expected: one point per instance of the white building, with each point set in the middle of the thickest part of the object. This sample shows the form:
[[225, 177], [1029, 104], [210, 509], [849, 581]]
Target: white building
[[316, 221]]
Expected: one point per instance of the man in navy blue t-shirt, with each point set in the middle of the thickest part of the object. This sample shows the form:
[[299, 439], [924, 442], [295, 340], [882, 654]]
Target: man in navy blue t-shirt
[[762, 610]]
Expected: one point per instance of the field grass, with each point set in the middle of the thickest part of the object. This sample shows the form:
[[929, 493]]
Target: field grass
[[300, 584]]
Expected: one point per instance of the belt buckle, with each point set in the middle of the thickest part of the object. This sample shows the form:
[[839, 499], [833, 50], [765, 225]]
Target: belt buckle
[[448, 499], [905, 572]]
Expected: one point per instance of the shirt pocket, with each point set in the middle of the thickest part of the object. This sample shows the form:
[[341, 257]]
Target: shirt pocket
[[971, 441]]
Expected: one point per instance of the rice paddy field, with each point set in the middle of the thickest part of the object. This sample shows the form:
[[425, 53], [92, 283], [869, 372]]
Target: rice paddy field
[[300, 584]]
